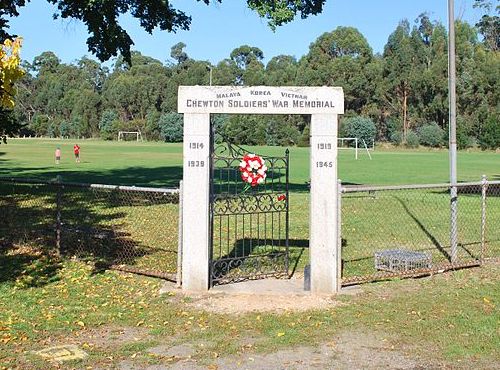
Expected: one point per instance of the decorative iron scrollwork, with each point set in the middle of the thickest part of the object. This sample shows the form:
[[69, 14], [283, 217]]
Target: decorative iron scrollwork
[[249, 224]]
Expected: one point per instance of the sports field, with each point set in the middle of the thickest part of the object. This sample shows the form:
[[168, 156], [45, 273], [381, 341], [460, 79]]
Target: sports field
[[416, 219], [160, 164], [119, 318]]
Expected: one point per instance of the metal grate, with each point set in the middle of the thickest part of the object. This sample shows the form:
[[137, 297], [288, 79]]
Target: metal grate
[[402, 260], [378, 223]]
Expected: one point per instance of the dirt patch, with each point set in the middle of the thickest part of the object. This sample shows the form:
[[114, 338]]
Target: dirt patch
[[348, 350], [256, 296], [102, 337], [244, 303]]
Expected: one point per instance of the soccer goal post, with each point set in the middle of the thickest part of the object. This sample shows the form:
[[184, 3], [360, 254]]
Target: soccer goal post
[[349, 143], [122, 135]]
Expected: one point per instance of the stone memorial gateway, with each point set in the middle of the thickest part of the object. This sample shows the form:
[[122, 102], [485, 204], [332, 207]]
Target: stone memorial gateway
[[324, 104]]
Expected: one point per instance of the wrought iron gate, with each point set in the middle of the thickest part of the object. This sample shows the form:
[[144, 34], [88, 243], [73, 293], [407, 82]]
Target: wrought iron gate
[[249, 224]]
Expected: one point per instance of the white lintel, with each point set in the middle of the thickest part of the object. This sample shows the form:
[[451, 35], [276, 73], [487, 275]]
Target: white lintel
[[261, 99]]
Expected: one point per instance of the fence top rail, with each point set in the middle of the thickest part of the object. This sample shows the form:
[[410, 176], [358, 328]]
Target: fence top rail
[[92, 186], [361, 188]]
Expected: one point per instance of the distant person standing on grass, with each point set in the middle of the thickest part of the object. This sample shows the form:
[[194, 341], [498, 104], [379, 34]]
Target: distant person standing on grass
[[76, 150], [58, 155]]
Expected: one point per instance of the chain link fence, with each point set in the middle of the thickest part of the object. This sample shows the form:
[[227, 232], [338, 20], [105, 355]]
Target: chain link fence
[[405, 230], [385, 231], [127, 228]]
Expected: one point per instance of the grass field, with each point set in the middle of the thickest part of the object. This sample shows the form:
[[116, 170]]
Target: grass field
[[443, 321], [446, 321], [160, 164], [415, 219]]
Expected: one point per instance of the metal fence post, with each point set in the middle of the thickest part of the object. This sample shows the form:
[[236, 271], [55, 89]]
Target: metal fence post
[[58, 214], [453, 223], [179, 240], [339, 235], [484, 187]]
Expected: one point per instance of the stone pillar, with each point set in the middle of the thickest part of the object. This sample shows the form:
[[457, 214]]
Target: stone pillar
[[323, 208], [196, 186]]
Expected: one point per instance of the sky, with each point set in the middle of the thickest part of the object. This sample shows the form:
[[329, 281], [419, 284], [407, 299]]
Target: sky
[[218, 29]]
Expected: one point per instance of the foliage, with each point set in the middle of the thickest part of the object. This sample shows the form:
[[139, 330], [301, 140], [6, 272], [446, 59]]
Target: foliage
[[10, 72], [108, 37], [108, 124], [401, 90], [396, 138], [489, 25], [412, 140], [361, 127], [171, 127], [284, 11], [430, 135], [281, 132], [490, 135], [8, 124]]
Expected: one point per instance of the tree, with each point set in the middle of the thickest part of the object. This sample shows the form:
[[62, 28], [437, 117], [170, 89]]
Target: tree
[[400, 70], [178, 54], [489, 25], [248, 60], [430, 134], [490, 135], [283, 11], [281, 70], [362, 128], [342, 57], [108, 38], [171, 127], [10, 72]]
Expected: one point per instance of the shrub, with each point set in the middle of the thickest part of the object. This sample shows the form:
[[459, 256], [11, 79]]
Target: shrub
[[304, 139], [171, 127], [281, 132], [396, 138], [430, 135], [393, 127], [361, 127], [107, 125], [412, 140], [490, 134]]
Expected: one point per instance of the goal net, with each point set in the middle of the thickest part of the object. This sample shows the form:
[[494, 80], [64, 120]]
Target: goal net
[[353, 143], [348, 143], [129, 136]]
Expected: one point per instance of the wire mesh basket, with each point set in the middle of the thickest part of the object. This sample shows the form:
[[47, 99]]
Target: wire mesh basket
[[402, 260]]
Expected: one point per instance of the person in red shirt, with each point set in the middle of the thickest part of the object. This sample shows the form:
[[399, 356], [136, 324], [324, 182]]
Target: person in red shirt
[[76, 150]]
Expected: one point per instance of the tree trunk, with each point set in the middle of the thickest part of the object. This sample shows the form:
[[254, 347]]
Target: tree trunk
[[405, 115]]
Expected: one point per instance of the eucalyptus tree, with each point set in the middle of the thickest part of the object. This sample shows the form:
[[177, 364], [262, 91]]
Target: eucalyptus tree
[[132, 90], [489, 24], [399, 72], [281, 70], [250, 69], [342, 57]]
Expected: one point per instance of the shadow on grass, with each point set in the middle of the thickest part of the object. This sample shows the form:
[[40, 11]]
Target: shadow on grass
[[166, 177], [422, 227], [253, 258], [91, 228]]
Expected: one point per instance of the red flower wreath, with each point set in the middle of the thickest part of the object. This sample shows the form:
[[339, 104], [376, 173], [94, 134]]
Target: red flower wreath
[[253, 169]]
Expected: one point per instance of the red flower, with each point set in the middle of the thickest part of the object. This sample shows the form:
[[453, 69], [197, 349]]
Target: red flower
[[253, 169], [281, 197]]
